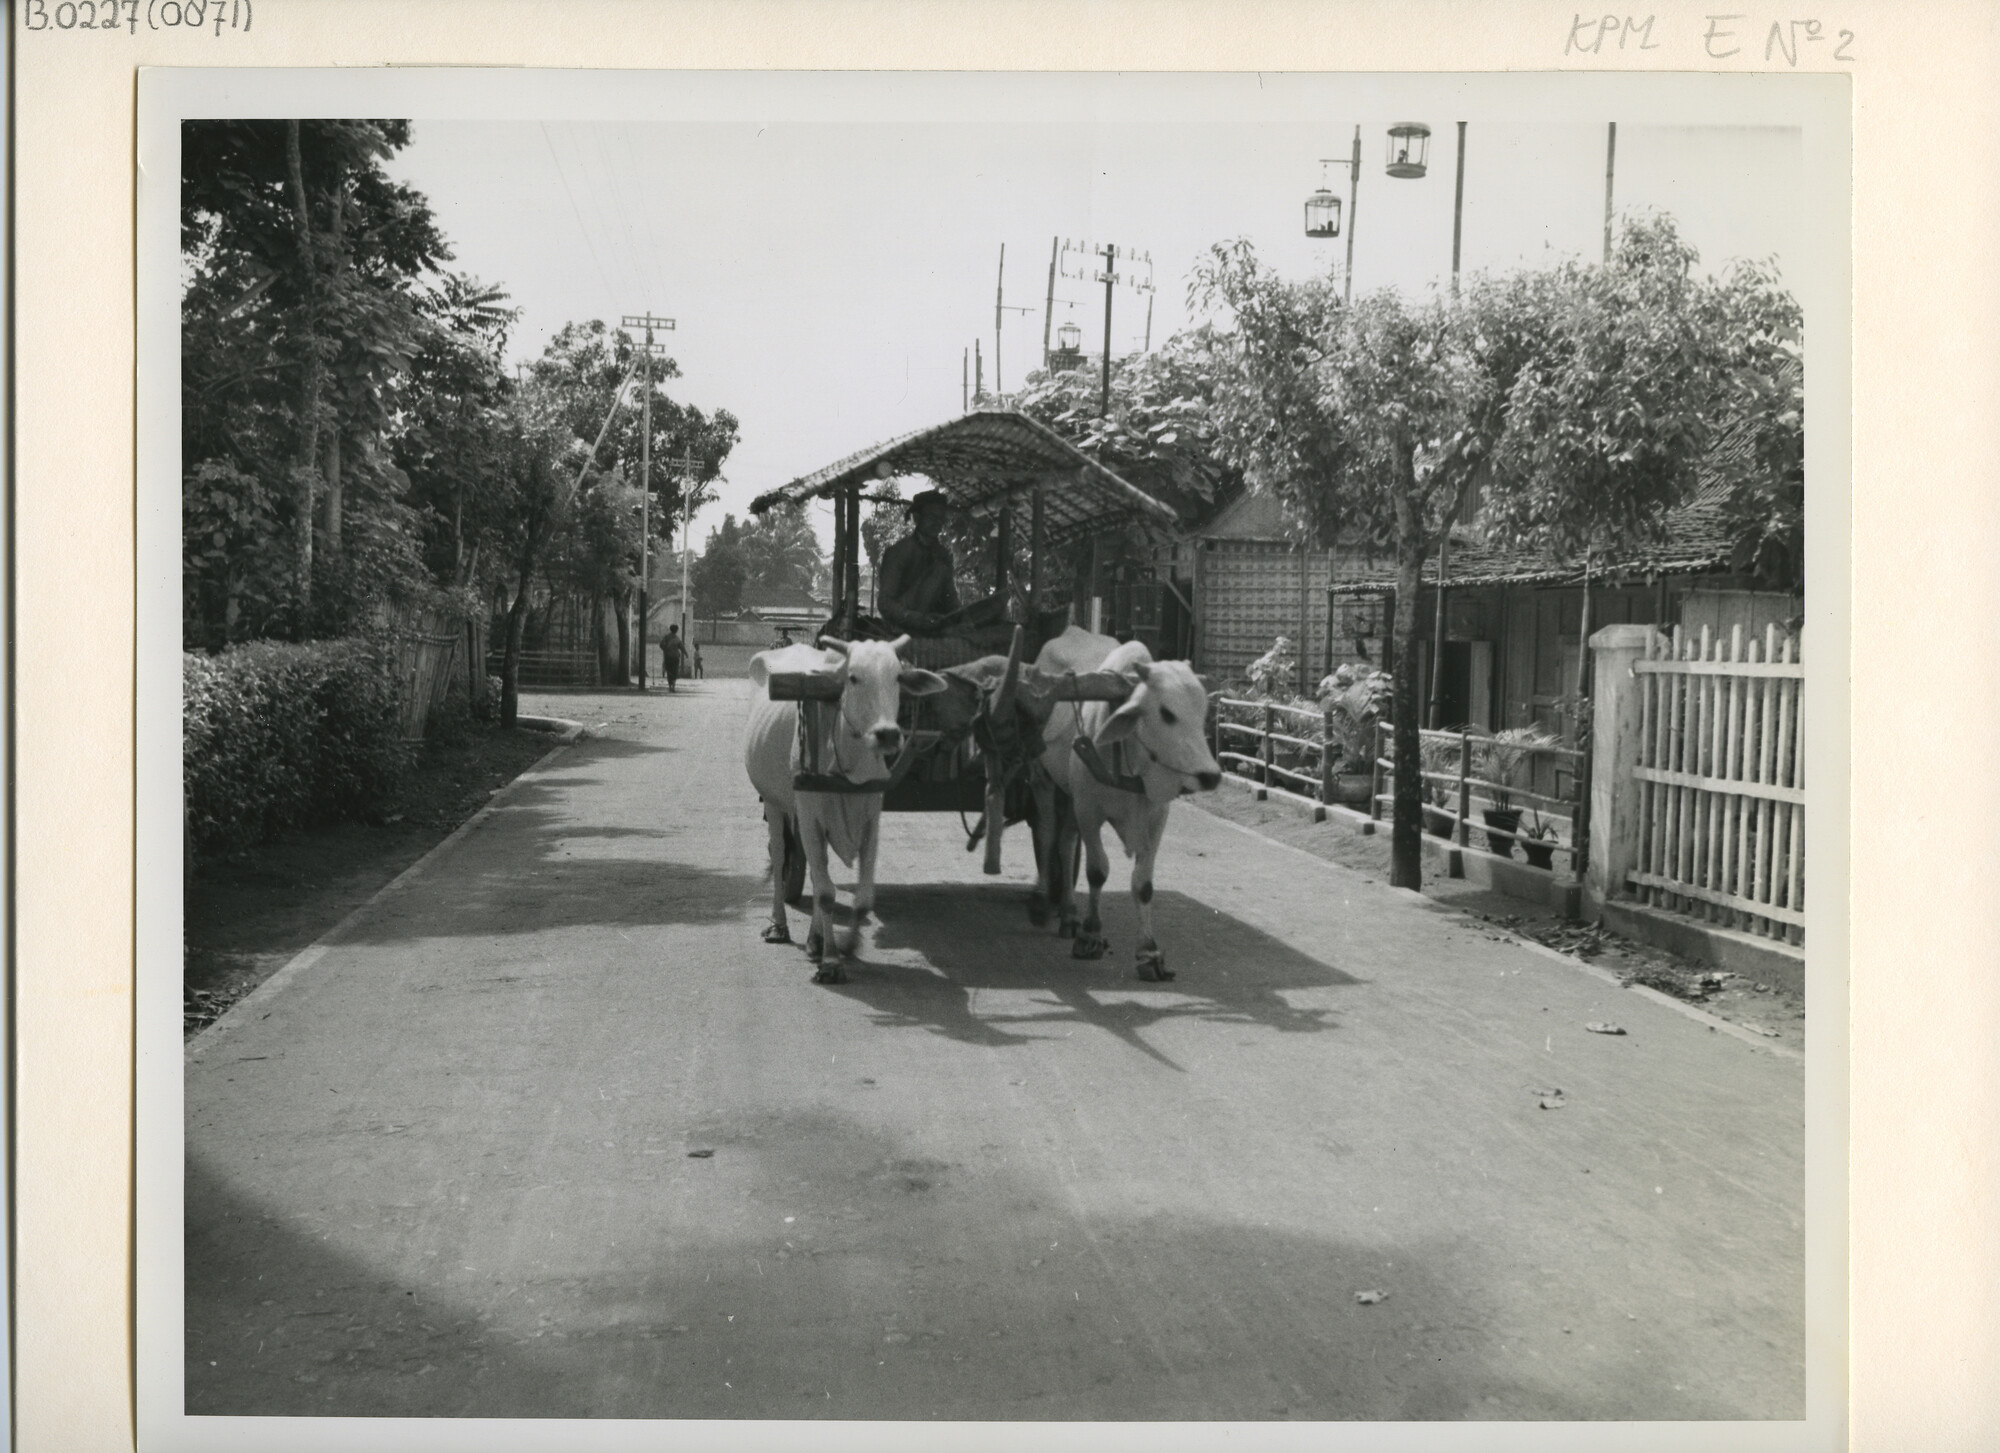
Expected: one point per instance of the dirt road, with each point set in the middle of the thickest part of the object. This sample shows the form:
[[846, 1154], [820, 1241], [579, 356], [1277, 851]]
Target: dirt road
[[551, 1133]]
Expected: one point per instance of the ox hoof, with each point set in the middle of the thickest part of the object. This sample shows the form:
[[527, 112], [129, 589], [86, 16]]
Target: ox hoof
[[1153, 967], [815, 949], [830, 972], [777, 933], [1038, 911], [1088, 946]]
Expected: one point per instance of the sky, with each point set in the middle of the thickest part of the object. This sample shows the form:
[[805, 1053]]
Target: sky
[[828, 273]]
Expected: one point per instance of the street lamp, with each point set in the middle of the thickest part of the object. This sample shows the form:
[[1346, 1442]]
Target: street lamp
[[1409, 149], [1323, 207]]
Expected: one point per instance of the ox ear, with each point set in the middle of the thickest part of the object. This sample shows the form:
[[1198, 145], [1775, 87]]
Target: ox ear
[[916, 682], [760, 670], [1121, 723], [1142, 669]]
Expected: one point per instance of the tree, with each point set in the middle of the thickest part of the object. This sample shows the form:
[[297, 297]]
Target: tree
[[1580, 397], [1760, 457], [582, 368], [1160, 432], [300, 254], [720, 573], [780, 550], [536, 492]]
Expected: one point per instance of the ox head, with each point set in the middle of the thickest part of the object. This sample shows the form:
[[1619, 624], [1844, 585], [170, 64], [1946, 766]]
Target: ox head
[[1164, 716], [875, 680], [1015, 711]]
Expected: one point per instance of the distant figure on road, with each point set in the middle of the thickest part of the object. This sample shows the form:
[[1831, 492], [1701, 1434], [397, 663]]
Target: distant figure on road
[[673, 655], [699, 670]]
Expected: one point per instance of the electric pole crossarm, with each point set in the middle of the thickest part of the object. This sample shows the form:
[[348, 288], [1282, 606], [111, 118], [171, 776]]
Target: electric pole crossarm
[[648, 322]]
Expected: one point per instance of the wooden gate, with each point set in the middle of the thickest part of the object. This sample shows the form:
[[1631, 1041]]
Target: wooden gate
[[427, 649], [1722, 774]]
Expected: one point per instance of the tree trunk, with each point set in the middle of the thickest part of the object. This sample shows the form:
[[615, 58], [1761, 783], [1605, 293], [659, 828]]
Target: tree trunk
[[517, 620], [333, 491], [307, 466], [338, 230], [1406, 848], [620, 601], [510, 661]]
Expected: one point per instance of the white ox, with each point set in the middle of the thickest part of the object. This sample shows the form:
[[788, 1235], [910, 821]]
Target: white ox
[[1154, 748], [860, 739]]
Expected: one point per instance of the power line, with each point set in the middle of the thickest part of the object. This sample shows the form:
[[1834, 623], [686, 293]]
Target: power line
[[611, 293]]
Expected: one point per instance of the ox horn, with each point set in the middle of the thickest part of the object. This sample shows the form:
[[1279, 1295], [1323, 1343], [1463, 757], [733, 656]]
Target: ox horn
[[900, 642], [1003, 699], [834, 643]]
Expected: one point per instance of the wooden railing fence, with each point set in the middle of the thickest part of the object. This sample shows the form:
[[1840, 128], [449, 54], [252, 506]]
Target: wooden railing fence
[[1452, 790], [1305, 765], [1722, 774]]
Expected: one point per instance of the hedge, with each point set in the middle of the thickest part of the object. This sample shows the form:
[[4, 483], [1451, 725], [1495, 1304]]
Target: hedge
[[277, 736]]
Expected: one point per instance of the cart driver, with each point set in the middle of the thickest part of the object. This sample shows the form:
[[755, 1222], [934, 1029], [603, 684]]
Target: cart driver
[[916, 592]]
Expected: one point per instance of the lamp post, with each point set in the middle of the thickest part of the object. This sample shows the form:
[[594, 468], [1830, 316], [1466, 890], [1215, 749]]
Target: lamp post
[[1323, 209]]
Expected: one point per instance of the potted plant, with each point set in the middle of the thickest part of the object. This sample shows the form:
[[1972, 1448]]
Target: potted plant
[[1438, 756], [1538, 840], [1355, 699], [1504, 761]]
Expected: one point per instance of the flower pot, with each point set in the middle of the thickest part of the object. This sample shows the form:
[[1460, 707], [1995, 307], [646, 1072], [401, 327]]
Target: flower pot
[[1507, 819], [1351, 789], [1439, 821], [1539, 852]]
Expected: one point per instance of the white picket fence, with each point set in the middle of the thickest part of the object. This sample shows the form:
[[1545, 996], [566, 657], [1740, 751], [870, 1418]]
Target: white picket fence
[[1722, 768]]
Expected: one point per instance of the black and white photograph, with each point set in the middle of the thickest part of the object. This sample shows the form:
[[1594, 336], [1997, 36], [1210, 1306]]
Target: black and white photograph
[[989, 748]]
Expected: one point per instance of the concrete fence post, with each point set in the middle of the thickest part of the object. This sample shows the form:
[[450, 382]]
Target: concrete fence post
[[1617, 717]]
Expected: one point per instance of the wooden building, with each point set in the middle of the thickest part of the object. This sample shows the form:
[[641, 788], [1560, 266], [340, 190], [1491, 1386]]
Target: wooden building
[[1513, 625]]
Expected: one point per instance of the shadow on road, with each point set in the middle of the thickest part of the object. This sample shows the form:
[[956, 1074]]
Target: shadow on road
[[975, 938], [536, 865], [1035, 1312]]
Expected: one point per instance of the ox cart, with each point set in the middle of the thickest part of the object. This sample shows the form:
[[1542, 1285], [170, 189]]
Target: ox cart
[[965, 750]]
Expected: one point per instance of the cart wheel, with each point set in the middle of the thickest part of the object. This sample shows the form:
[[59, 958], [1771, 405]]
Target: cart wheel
[[795, 867]]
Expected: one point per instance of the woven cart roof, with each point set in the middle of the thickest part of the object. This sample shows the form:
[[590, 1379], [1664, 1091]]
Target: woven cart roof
[[986, 461]]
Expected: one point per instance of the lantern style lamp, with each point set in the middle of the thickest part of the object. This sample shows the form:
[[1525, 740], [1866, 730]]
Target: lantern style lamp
[[1069, 337], [1323, 209], [1409, 149]]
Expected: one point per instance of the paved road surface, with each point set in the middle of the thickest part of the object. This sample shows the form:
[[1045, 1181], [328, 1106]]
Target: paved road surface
[[551, 1133]]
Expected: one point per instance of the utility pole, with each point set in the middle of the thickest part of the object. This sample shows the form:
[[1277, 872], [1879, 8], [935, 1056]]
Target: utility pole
[[1458, 209], [690, 469], [999, 312], [1610, 155], [1110, 277], [648, 322], [1049, 315], [965, 381], [978, 373], [1353, 201]]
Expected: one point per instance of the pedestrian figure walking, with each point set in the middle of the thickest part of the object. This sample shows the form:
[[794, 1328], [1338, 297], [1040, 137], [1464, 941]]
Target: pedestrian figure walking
[[699, 670], [673, 655]]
